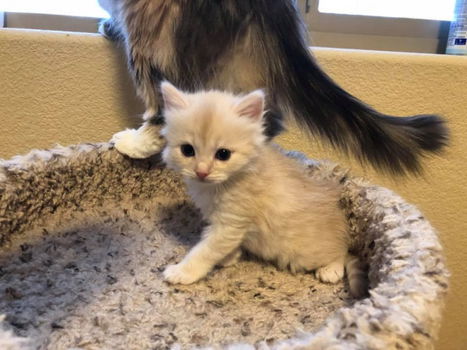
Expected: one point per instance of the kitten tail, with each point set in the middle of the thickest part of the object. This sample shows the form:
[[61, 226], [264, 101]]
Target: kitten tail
[[357, 276]]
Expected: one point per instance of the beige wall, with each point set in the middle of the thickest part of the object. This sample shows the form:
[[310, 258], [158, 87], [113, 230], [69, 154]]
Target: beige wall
[[69, 88]]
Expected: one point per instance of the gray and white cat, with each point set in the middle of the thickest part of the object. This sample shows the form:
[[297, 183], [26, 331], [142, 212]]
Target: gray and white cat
[[252, 195], [239, 46]]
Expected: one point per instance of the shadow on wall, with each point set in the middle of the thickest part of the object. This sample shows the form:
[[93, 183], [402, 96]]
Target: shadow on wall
[[129, 99]]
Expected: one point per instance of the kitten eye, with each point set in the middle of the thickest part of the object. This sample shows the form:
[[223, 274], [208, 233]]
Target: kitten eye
[[223, 154], [187, 150]]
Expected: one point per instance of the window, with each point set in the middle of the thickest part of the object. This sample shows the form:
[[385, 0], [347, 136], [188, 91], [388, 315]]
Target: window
[[387, 25], [442, 10], [61, 15], [81, 8]]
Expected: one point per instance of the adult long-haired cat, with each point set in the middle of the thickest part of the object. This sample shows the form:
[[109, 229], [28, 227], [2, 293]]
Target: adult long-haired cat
[[241, 45], [252, 195]]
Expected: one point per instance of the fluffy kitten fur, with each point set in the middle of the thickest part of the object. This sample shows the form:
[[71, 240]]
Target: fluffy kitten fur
[[257, 199], [240, 46]]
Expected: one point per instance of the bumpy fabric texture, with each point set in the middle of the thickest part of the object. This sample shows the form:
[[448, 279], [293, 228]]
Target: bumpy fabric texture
[[86, 232]]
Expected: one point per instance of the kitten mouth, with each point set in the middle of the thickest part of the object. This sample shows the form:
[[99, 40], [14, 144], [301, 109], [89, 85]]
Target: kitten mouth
[[207, 181]]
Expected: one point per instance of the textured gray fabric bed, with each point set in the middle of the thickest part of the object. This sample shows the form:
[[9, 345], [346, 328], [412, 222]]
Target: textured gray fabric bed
[[85, 233]]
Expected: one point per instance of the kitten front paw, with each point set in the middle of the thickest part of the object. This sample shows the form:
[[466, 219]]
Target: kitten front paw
[[136, 144], [182, 274], [231, 259]]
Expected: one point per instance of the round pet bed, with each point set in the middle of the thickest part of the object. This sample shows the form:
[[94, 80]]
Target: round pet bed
[[86, 232]]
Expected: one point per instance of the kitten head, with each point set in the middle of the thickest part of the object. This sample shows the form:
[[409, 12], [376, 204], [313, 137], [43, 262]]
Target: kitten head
[[211, 135]]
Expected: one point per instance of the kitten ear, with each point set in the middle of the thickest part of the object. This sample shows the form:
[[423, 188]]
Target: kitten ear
[[252, 105], [173, 98]]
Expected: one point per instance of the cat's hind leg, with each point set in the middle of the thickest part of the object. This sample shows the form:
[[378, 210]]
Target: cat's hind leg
[[140, 143], [332, 272]]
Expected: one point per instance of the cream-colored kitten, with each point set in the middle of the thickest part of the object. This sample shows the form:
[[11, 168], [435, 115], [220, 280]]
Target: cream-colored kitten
[[253, 196]]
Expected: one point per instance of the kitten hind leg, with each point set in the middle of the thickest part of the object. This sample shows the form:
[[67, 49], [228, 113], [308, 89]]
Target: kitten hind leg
[[331, 273], [140, 143]]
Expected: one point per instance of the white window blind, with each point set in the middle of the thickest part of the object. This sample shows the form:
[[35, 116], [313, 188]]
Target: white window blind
[[441, 10], [82, 8]]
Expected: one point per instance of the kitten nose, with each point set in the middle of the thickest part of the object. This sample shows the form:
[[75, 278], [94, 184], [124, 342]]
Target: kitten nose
[[201, 174]]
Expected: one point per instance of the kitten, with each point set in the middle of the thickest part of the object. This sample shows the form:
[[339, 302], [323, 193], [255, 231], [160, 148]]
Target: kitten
[[253, 196], [240, 46]]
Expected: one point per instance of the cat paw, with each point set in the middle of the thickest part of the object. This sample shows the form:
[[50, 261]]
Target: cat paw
[[181, 274], [331, 273], [110, 30], [136, 144]]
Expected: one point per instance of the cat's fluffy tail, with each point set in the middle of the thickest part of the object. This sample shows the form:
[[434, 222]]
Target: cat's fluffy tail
[[356, 272], [393, 144]]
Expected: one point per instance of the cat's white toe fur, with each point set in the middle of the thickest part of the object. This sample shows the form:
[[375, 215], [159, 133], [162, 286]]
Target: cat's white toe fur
[[182, 274], [137, 144], [331, 273]]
